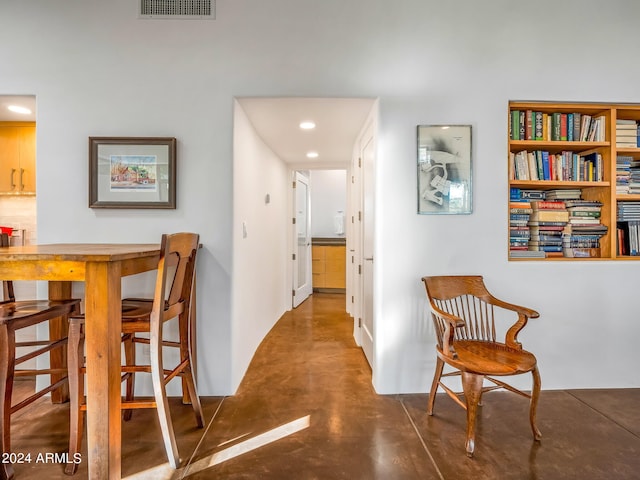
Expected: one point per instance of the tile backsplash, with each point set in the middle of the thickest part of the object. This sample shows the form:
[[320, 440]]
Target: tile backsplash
[[19, 212]]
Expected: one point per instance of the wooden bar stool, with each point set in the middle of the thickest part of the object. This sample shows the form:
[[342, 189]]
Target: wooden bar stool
[[172, 300], [14, 316]]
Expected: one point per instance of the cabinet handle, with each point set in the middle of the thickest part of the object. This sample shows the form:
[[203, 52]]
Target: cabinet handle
[[21, 182], [369, 259], [13, 173]]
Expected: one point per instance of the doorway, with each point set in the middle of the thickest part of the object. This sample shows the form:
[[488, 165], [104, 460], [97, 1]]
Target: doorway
[[269, 145]]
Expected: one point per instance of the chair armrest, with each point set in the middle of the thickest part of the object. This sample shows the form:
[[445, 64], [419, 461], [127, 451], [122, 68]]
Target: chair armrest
[[528, 312], [450, 323], [524, 314]]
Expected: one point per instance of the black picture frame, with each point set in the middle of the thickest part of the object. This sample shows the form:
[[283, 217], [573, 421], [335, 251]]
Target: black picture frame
[[132, 172]]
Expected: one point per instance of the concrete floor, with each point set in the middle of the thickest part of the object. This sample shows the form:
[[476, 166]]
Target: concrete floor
[[306, 410]]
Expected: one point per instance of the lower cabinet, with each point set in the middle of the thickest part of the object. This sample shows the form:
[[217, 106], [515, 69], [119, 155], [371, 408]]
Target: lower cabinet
[[329, 266]]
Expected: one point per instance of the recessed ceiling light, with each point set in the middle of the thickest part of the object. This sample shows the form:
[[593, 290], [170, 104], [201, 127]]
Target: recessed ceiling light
[[308, 125], [312, 154], [445, 127], [18, 109]]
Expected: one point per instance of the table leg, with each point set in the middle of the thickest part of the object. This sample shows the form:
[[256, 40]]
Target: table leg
[[102, 339], [58, 328]]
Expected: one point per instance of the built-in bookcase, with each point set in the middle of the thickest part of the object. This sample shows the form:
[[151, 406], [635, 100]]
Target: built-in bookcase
[[567, 147]]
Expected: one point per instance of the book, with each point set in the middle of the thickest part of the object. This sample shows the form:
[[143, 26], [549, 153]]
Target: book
[[555, 126], [581, 252], [538, 126], [546, 205], [570, 127], [550, 216], [563, 127], [526, 254], [546, 248], [576, 127], [514, 126], [529, 125], [568, 194], [583, 212]]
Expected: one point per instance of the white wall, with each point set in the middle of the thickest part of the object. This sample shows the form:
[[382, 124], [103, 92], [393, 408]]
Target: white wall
[[98, 70], [260, 282], [328, 196]]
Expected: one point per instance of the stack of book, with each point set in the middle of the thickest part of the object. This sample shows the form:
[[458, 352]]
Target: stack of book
[[563, 194], [628, 211], [634, 177], [626, 133], [581, 236], [519, 213], [546, 223], [623, 174], [628, 229]]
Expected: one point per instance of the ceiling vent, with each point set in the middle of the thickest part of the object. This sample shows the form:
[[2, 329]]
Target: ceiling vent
[[188, 9]]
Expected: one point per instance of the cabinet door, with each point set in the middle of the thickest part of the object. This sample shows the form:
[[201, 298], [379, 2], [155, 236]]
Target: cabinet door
[[27, 171], [9, 159], [18, 158], [335, 260], [318, 266]]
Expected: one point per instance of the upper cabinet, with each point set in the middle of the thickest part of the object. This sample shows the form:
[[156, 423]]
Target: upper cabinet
[[17, 158]]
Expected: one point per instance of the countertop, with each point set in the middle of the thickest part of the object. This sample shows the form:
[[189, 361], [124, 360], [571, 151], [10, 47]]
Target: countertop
[[329, 241]]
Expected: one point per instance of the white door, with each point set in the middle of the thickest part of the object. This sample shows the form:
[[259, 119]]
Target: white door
[[368, 164], [302, 285]]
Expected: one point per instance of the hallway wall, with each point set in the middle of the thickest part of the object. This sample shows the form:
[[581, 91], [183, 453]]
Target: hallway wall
[[261, 282], [99, 70]]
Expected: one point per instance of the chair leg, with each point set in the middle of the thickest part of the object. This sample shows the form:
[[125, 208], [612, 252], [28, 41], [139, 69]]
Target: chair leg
[[193, 395], [188, 375], [75, 361], [535, 395], [434, 385], [162, 405], [130, 359], [7, 366], [472, 386]]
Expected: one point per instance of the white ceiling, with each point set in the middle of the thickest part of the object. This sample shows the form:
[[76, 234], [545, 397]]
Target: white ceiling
[[28, 101], [338, 123], [276, 120]]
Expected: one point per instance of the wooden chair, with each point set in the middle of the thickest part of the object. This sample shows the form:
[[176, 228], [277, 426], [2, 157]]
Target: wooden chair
[[172, 299], [14, 316], [466, 317]]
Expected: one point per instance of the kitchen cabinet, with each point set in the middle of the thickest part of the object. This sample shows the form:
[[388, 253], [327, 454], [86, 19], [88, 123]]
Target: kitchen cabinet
[[328, 267], [17, 158]]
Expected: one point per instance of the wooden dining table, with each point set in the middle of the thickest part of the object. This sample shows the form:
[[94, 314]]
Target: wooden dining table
[[101, 268]]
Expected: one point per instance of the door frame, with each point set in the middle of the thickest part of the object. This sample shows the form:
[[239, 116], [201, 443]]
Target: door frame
[[356, 248]]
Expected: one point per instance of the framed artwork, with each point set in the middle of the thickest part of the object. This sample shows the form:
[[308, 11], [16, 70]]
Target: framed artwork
[[132, 172], [444, 169]]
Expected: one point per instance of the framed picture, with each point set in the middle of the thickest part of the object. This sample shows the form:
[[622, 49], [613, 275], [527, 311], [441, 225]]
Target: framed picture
[[444, 169], [130, 172]]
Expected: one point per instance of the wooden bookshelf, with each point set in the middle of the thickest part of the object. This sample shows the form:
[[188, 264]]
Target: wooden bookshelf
[[550, 141]]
